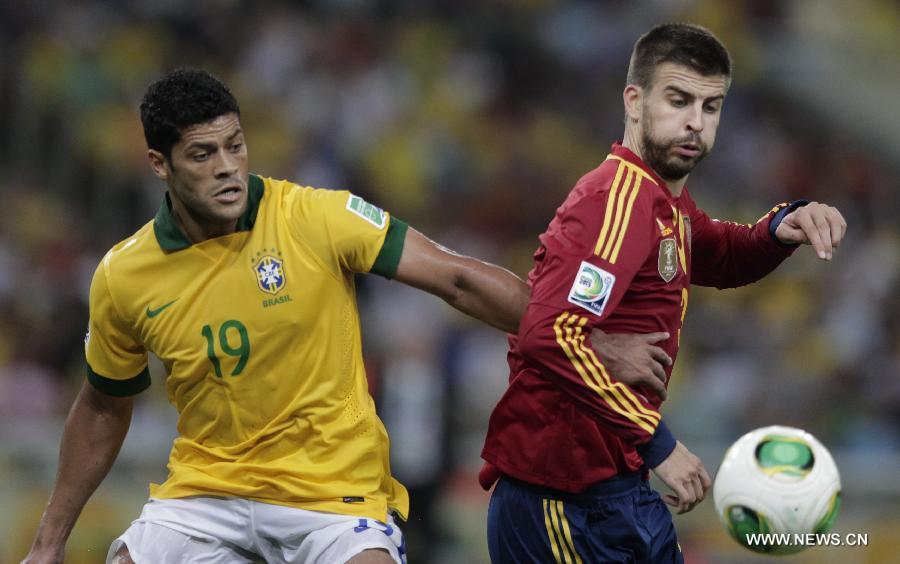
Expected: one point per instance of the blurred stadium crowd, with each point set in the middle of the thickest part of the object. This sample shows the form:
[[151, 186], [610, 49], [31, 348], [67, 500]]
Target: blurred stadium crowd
[[471, 120]]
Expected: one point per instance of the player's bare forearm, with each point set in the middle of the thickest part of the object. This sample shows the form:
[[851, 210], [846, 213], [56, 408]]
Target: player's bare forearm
[[93, 434], [482, 290], [489, 293]]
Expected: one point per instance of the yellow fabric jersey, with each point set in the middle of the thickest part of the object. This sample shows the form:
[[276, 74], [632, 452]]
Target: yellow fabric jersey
[[259, 334]]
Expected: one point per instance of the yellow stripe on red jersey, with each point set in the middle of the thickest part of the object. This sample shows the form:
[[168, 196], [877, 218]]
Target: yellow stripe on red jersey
[[617, 396]]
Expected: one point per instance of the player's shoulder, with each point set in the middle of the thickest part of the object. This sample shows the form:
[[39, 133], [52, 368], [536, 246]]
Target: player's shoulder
[[309, 207], [130, 255], [615, 182], [615, 174], [135, 247], [302, 199]]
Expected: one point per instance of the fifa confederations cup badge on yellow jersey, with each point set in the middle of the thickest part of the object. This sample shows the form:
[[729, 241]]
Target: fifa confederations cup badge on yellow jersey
[[268, 266]]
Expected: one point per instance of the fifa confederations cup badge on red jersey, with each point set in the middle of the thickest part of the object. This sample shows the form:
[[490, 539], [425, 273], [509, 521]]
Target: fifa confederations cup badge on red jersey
[[592, 288], [667, 264], [268, 266]]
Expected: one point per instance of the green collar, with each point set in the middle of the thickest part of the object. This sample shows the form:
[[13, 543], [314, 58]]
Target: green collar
[[169, 235]]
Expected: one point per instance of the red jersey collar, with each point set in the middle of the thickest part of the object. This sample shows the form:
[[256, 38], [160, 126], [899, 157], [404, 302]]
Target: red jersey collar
[[618, 150]]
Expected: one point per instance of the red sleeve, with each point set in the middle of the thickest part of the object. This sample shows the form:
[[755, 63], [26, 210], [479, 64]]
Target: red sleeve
[[727, 255], [590, 254]]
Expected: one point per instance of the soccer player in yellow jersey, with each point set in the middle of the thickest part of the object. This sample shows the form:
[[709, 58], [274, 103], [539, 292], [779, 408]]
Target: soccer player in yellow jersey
[[243, 286]]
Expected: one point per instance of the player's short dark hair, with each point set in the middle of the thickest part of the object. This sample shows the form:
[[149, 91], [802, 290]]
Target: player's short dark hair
[[690, 45], [180, 99]]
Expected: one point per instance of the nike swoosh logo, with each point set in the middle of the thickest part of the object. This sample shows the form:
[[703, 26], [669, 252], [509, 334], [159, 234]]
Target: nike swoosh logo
[[151, 313]]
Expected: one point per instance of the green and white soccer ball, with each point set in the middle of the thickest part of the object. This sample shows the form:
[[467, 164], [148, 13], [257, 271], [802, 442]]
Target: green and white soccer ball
[[777, 480]]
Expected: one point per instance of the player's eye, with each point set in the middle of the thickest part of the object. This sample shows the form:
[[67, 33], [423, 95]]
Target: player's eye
[[711, 108], [678, 102], [200, 157], [236, 147]]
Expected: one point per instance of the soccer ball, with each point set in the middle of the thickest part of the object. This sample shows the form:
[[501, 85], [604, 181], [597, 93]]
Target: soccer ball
[[777, 480]]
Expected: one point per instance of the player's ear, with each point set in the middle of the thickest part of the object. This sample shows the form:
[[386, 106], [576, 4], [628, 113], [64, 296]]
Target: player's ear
[[158, 164], [633, 96]]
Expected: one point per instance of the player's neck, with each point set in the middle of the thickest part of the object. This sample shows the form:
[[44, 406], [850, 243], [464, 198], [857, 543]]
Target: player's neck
[[630, 142], [675, 186], [196, 229]]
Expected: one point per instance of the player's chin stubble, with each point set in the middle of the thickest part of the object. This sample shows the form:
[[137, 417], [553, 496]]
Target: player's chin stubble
[[663, 160], [660, 155]]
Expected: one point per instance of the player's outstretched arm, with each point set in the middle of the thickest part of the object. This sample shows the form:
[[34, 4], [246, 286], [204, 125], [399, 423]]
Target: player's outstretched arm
[[94, 431], [477, 288]]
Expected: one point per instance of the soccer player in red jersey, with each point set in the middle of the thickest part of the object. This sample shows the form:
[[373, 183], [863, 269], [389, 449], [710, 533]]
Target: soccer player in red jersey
[[570, 443]]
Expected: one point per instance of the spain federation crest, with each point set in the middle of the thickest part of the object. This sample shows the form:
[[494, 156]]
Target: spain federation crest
[[270, 274]]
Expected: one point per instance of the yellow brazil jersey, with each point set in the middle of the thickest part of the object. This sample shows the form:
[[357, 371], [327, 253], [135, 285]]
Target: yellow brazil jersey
[[259, 335]]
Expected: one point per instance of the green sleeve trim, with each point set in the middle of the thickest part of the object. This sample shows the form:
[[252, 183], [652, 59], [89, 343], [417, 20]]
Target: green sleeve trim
[[388, 258], [120, 388]]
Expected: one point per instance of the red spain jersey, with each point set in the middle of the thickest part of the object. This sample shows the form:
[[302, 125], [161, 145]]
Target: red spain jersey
[[619, 255]]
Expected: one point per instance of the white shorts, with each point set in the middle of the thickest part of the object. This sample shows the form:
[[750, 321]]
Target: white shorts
[[234, 530]]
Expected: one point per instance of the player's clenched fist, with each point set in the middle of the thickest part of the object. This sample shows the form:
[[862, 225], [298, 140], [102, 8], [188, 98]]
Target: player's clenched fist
[[685, 474]]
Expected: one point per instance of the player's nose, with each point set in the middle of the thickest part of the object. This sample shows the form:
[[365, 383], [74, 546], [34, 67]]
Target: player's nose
[[695, 118], [226, 165]]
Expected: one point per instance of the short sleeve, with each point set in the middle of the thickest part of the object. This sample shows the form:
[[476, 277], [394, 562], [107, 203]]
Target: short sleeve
[[364, 237], [116, 360]]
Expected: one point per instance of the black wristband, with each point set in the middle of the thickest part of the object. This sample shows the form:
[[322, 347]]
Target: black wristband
[[659, 447], [776, 220]]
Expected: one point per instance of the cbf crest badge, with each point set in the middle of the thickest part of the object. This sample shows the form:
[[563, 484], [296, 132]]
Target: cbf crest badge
[[270, 274], [668, 259]]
